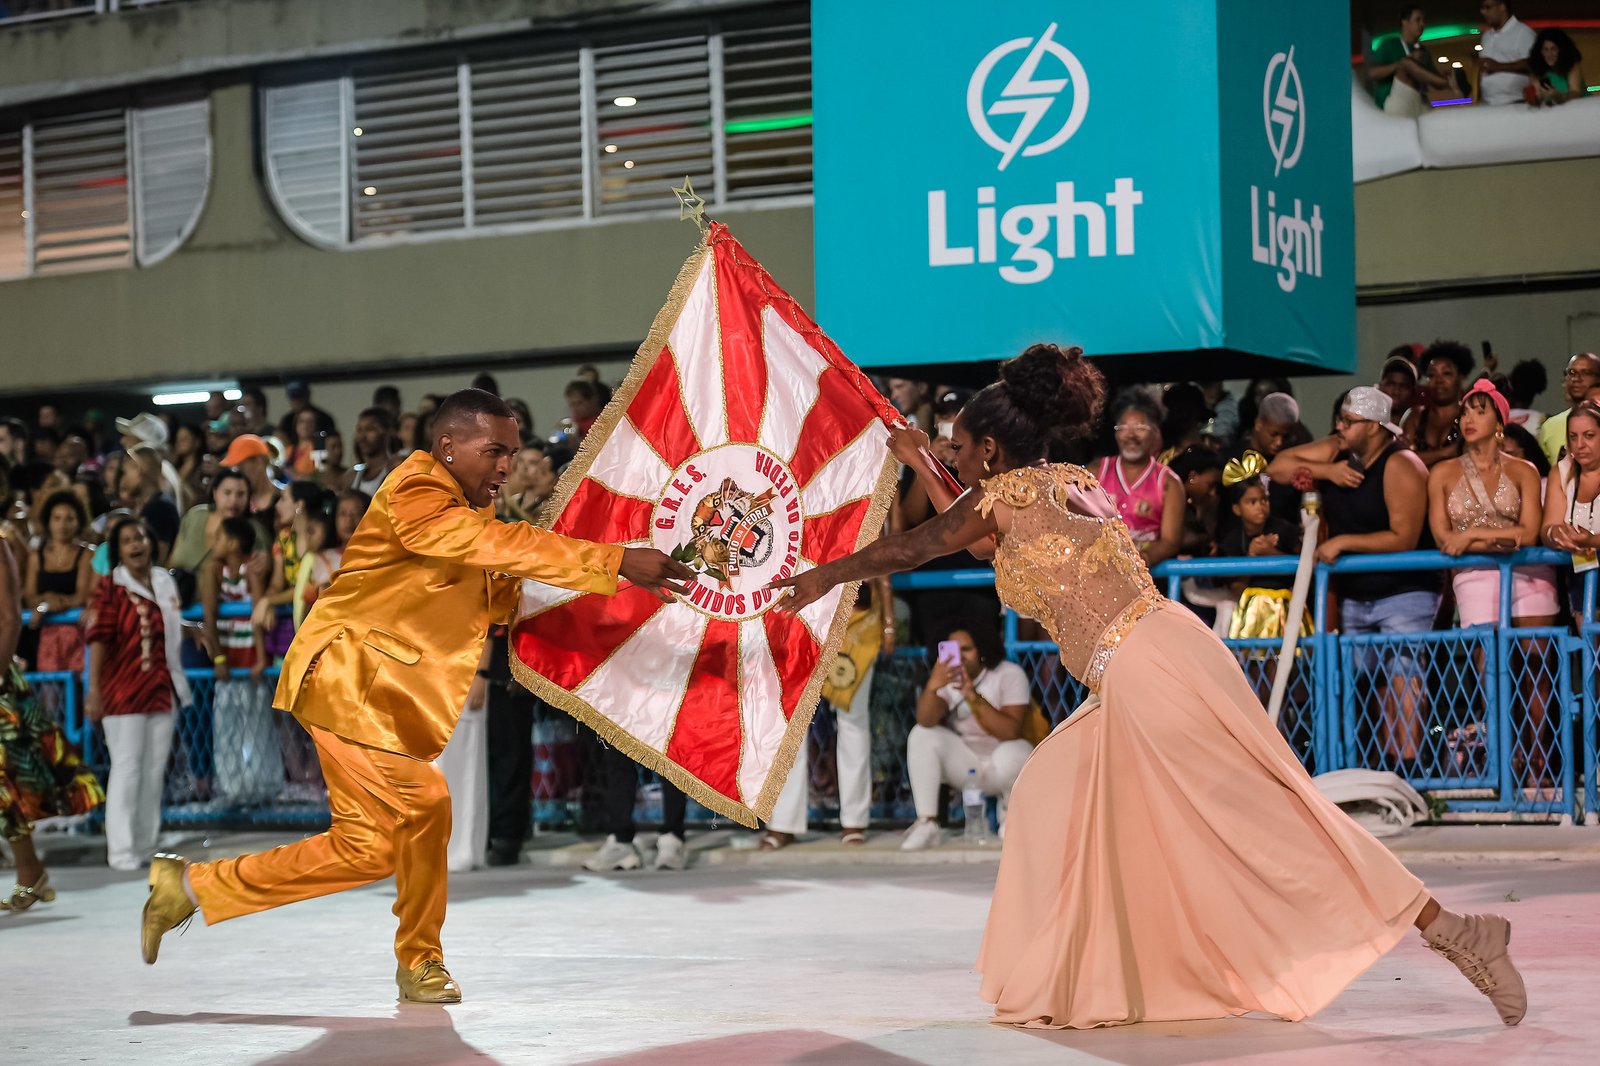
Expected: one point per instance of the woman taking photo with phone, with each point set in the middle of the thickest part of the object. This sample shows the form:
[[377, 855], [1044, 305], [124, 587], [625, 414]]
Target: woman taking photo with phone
[[969, 721]]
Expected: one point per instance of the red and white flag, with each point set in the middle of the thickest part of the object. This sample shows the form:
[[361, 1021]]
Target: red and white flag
[[745, 444]]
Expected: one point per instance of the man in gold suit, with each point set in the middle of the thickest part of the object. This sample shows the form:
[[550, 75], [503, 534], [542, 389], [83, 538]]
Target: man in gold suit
[[378, 675]]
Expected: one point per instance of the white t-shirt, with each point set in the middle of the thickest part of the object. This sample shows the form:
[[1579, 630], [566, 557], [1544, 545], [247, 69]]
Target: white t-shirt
[[1509, 43], [1006, 685]]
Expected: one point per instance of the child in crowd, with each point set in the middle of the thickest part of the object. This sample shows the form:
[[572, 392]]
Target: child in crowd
[[231, 578], [1263, 599]]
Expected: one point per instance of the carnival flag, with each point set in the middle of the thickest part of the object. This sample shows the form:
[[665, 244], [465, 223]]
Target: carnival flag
[[744, 444]]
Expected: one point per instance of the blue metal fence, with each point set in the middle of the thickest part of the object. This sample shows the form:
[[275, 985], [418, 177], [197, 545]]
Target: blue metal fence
[[1476, 693]]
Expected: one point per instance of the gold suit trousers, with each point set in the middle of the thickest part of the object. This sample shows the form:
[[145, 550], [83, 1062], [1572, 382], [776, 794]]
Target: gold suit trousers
[[391, 815]]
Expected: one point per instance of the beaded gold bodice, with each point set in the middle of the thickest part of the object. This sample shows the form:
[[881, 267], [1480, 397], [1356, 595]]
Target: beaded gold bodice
[[1080, 575]]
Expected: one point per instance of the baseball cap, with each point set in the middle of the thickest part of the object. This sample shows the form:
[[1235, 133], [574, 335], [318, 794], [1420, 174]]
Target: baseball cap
[[245, 446], [298, 389], [147, 427], [1369, 403]]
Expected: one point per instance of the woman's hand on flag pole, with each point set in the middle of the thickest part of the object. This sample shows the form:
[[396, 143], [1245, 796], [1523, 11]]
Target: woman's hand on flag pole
[[652, 570], [911, 446]]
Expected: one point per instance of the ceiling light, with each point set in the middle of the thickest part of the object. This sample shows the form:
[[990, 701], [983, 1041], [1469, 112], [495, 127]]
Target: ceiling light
[[370, 190], [628, 165], [1444, 59], [357, 131], [625, 101], [610, 148], [174, 399], [26, 215], [1477, 48], [232, 394], [1456, 64]]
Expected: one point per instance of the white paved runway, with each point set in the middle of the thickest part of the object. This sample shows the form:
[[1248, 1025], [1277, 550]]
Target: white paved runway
[[752, 965]]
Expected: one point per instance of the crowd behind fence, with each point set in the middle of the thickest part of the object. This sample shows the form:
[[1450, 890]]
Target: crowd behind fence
[[236, 762]]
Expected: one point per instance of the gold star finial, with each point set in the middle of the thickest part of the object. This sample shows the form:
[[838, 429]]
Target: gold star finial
[[690, 205]]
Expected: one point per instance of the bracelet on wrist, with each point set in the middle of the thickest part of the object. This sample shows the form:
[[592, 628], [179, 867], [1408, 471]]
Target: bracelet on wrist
[[219, 660]]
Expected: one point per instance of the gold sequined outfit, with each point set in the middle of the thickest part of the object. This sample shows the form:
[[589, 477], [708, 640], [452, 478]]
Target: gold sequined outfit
[[1079, 575]]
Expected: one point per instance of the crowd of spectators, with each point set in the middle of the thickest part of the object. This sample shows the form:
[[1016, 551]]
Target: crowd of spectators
[[137, 521]]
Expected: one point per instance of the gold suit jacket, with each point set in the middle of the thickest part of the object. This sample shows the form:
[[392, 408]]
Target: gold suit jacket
[[387, 654]]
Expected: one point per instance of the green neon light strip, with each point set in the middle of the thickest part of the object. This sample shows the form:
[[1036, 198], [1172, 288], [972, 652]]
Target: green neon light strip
[[1434, 33], [762, 125]]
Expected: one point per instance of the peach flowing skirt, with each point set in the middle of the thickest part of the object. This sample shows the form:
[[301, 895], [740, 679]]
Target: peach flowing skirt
[[1167, 857]]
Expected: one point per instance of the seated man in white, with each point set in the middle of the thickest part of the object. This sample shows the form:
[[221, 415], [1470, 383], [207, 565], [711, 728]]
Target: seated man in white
[[968, 717]]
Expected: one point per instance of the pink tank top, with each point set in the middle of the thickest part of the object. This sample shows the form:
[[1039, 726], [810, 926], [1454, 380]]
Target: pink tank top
[[1139, 503]]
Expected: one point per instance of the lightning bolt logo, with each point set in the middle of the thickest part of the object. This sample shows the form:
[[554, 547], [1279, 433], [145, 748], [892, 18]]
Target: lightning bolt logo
[[1027, 96], [1281, 105]]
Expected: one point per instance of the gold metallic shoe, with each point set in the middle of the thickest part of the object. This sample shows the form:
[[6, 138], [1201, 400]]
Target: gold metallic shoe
[[168, 905], [24, 896], [1476, 943], [428, 983]]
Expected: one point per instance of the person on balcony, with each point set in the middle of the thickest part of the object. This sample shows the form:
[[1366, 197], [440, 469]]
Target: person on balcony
[[1374, 493], [1487, 501], [1401, 69], [1555, 69], [1503, 62]]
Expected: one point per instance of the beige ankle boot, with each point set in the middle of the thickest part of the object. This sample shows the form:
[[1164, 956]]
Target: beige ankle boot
[[1476, 943]]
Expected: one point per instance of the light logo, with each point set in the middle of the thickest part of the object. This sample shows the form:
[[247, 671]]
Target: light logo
[[1283, 111], [1030, 97]]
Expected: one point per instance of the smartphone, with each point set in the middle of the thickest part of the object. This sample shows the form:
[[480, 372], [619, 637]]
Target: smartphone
[[950, 654]]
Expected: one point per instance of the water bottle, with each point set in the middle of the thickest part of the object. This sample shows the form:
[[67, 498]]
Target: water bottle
[[977, 810]]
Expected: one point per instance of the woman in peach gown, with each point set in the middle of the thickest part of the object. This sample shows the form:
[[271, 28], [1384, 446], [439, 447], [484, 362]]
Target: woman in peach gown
[[1166, 855]]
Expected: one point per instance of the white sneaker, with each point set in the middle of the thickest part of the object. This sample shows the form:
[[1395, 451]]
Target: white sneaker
[[670, 852], [924, 834], [614, 855]]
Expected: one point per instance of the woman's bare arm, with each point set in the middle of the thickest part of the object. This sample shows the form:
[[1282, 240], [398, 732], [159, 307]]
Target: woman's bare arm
[[949, 532]]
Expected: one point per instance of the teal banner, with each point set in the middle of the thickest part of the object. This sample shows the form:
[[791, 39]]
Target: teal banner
[[988, 176]]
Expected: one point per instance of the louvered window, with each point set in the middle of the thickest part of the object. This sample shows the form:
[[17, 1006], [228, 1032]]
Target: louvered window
[[172, 165], [307, 132], [102, 190], [653, 117], [548, 136], [408, 166], [82, 219], [527, 139], [766, 86], [13, 207]]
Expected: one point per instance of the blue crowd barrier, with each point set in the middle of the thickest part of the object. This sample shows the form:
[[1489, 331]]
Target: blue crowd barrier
[[235, 762], [1474, 690]]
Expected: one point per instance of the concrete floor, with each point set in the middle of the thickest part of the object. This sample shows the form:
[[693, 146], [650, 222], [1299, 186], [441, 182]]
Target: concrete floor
[[819, 964]]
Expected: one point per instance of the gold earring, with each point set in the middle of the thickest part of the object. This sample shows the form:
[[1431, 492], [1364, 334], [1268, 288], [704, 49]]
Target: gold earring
[[986, 469]]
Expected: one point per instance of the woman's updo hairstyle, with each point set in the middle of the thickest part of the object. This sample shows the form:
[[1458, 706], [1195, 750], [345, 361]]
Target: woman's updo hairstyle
[[1044, 395]]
